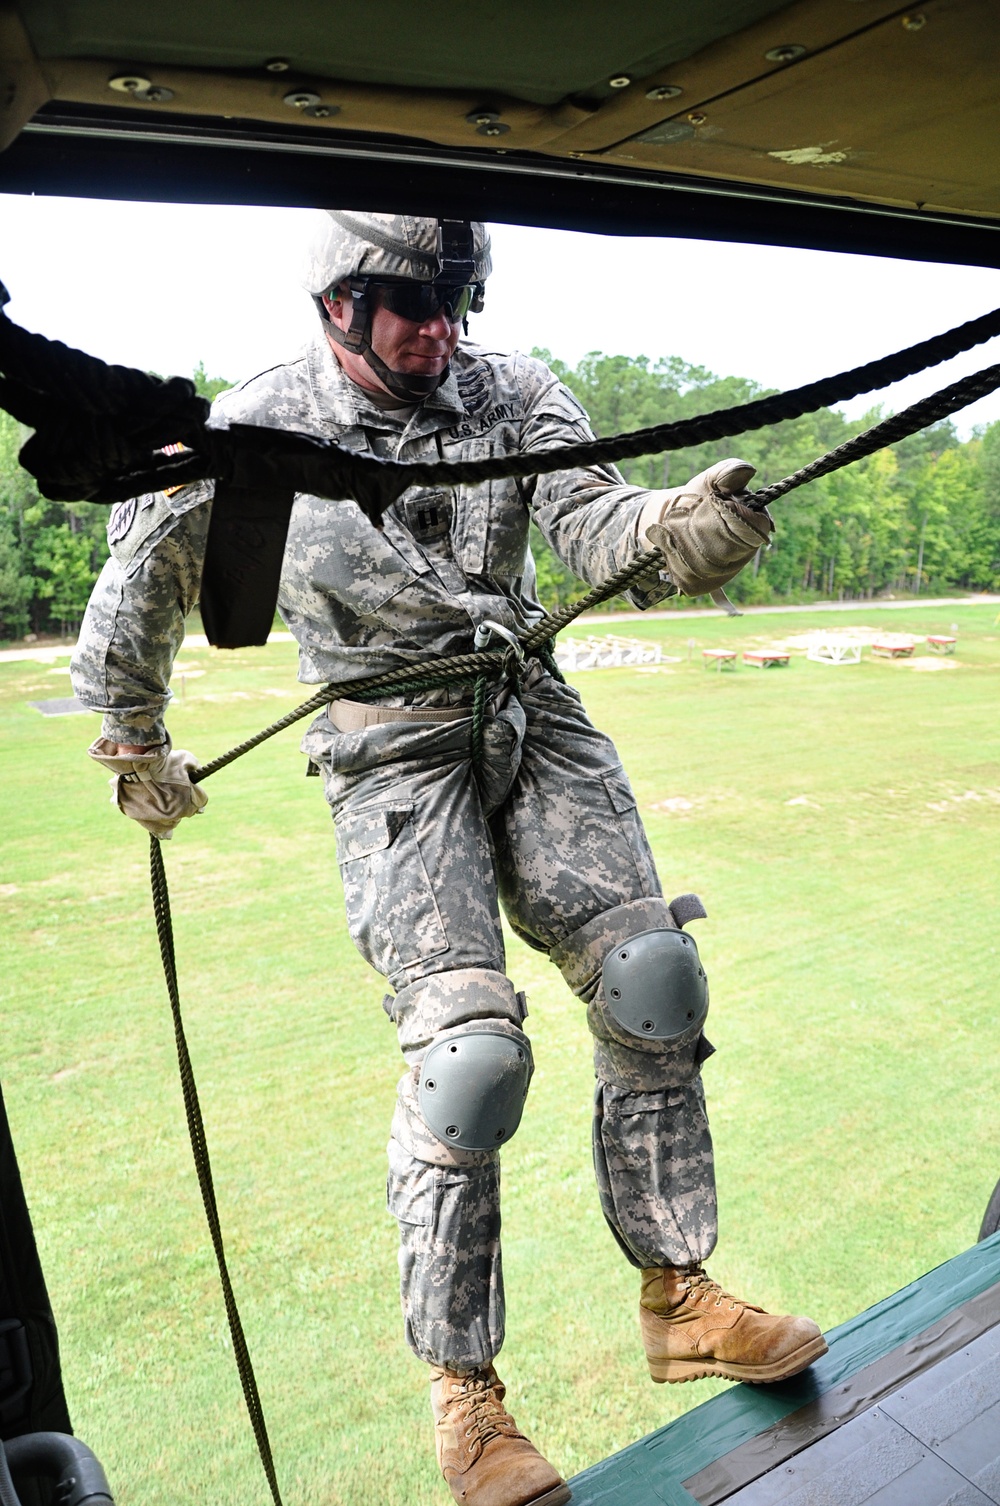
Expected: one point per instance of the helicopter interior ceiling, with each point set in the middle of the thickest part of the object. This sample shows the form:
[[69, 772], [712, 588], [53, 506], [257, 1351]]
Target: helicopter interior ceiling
[[819, 122]]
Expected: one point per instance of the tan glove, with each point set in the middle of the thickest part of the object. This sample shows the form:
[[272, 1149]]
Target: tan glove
[[153, 788], [704, 530]]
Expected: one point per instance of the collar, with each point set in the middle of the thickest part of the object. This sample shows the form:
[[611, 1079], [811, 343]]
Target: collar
[[340, 403]]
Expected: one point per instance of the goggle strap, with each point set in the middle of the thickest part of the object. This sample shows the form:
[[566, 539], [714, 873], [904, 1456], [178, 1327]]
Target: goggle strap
[[356, 336]]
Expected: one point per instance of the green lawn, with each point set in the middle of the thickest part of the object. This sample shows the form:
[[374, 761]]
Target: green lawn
[[842, 825]]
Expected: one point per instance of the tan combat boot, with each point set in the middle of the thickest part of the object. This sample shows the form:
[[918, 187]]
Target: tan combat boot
[[483, 1457], [692, 1328]]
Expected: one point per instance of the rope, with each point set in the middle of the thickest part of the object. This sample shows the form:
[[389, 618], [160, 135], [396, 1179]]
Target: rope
[[538, 640], [900, 426], [199, 1145], [415, 677], [99, 428]]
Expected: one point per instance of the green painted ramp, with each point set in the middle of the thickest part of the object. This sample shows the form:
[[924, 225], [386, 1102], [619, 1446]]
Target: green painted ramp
[[915, 1380]]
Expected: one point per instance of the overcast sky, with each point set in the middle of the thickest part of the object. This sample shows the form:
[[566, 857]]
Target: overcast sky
[[164, 287]]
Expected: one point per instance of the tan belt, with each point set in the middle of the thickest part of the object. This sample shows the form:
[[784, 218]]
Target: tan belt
[[351, 716]]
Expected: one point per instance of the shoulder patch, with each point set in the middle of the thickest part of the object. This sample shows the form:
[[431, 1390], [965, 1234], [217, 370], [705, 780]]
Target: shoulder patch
[[120, 520]]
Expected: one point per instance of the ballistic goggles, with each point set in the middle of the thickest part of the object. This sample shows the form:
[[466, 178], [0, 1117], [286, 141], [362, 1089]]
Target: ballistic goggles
[[420, 301]]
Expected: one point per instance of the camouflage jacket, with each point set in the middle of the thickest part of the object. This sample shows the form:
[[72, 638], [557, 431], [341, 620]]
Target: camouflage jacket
[[360, 600]]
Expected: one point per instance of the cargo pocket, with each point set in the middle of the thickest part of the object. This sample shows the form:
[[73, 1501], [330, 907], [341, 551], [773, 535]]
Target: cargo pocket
[[392, 914], [648, 1103], [619, 793], [409, 1188]]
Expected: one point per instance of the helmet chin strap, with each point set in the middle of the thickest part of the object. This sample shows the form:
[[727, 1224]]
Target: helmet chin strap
[[410, 387], [407, 385]]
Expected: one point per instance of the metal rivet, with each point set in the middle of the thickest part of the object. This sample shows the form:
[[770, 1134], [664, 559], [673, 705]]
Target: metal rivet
[[664, 91], [430, 1084], [616, 993], [620, 81], [500, 1134], [684, 941], [690, 1014], [482, 117], [696, 119], [277, 65], [623, 956], [495, 128], [301, 99], [129, 83], [452, 1130], [520, 1054], [914, 22], [321, 112], [647, 1024], [784, 54], [453, 1049]]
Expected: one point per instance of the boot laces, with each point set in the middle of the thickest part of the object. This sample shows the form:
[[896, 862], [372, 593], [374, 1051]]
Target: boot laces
[[702, 1288], [482, 1411]]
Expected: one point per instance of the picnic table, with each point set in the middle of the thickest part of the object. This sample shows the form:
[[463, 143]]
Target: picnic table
[[722, 658], [893, 648], [941, 643], [765, 658], [834, 648]]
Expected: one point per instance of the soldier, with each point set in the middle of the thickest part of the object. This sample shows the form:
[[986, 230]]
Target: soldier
[[430, 847]]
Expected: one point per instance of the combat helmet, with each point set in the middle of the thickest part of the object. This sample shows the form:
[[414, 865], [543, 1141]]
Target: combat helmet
[[418, 266]]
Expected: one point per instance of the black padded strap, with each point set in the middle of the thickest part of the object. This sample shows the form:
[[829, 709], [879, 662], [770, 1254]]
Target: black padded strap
[[687, 907], [246, 545]]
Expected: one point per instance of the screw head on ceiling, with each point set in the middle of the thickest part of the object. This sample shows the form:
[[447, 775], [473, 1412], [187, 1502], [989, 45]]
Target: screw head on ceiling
[[156, 94], [696, 118], [492, 128], [664, 91], [787, 53], [914, 22], [620, 81], [483, 117], [129, 83], [321, 112], [277, 65], [301, 99]]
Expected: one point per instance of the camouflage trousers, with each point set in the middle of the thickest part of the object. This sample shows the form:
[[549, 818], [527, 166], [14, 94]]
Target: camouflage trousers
[[428, 851]]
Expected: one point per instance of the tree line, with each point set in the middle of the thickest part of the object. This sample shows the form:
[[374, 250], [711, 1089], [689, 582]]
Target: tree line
[[921, 516]]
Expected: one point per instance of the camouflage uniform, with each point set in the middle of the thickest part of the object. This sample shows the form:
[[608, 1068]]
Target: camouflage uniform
[[427, 850]]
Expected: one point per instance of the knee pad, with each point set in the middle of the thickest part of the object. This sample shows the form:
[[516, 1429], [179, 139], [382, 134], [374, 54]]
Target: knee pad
[[473, 1085], [655, 987]]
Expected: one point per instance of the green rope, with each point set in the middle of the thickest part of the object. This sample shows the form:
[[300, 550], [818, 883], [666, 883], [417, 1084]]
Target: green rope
[[203, 1167], [547, 656], [478, 722]]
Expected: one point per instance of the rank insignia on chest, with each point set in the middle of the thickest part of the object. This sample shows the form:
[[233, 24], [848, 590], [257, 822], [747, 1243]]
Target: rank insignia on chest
[[429, 517]]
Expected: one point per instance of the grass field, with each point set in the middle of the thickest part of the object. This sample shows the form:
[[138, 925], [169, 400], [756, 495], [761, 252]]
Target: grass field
[[842, 825]]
